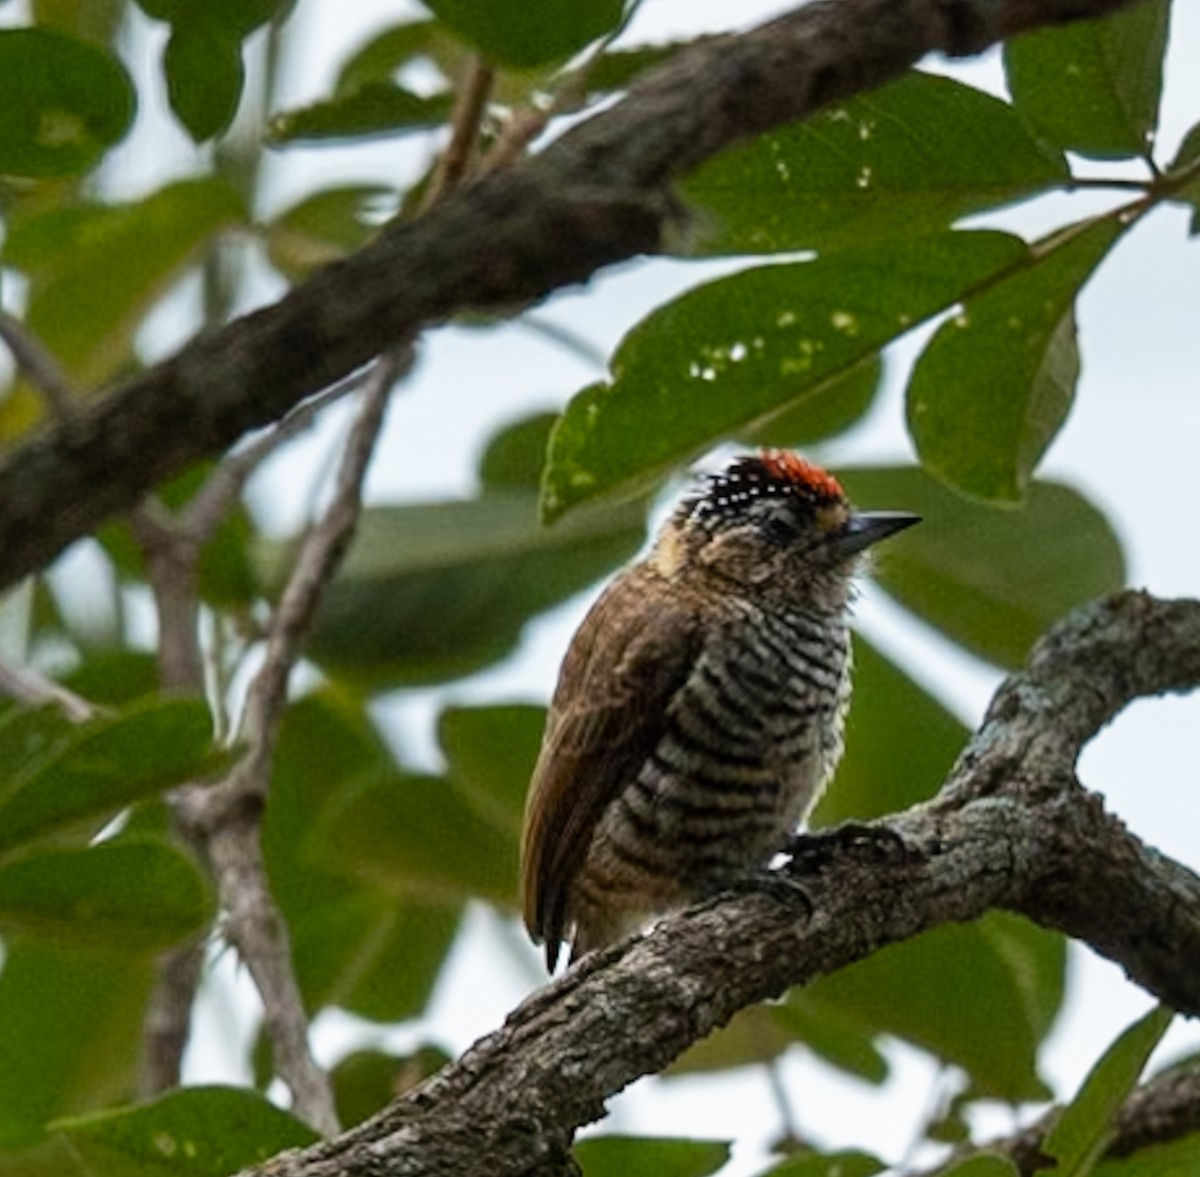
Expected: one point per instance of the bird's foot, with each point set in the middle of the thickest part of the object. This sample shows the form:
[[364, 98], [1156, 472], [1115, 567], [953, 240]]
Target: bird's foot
[[813, 852]]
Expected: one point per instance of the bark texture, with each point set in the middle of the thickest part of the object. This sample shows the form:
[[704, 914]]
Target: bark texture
[[598, 195], [1011, 828]]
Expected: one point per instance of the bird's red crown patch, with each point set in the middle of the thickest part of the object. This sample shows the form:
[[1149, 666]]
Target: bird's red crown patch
[[789, 467]]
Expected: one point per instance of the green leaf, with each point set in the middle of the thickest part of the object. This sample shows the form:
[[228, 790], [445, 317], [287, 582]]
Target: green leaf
[[326, 746], [352, 946], [1037, 963], [956, 991], [900, 743], [203, 58], [984, 1165], [449, 586], [235, 18], [74, 1020], [365, 1080], [51, 1157], [516, 454], [125, 895], [29, 734], [383, 55], [904, 160], [1093, 87], [113, 677], [992, 580], [63, 103], [763, 1032], [838, 1040], [420, 836], [834, 1164], [377, 108], [526, 33], [205, 77], [1173, 1158], [196, 1132], [1186, 158], [753, 1035], [1084, 1129], [371, 954], [370, 99], [104, 765], [91, 20], [490, 753], [832, 409], [133, 252], [731, 353], [994, 385], [644, 1156], [323, 227]]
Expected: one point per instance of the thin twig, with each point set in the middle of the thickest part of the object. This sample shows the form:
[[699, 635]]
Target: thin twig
[[455, 163], [40, 368], [572, 341], [570, 95], [213, 502], [228, 814], [320, 554], [793, 1137], [172, 571], [166, 1025], [28, 686]]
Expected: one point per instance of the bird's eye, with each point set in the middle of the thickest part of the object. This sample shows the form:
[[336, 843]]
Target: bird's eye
[[779, 529]]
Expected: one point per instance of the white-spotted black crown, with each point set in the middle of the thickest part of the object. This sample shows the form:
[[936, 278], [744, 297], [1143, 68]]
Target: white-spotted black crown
[[770, 474]]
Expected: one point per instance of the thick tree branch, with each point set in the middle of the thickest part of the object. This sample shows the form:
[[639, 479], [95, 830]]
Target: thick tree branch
[[1012, 829], [599, 195]]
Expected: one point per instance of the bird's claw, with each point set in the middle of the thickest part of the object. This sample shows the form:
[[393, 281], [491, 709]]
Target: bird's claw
[[779, 885], [813, 852]]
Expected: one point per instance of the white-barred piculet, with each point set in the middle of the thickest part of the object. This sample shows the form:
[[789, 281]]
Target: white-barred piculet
[[700, 707]]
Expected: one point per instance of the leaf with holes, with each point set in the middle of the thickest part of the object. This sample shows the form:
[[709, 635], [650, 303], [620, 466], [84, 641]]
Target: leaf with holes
[[907, 159], [730, 354]]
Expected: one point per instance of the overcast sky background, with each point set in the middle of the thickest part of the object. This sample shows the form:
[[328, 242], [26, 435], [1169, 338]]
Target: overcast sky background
[[1130, 444]]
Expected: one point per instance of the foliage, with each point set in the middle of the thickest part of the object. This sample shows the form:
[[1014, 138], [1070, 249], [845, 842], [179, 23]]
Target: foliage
[[850, 228]]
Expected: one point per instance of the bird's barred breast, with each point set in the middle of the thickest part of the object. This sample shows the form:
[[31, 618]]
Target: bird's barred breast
[[748, 744]]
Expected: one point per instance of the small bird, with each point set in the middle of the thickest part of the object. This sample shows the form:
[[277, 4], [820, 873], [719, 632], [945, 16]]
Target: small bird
[[700, 707]]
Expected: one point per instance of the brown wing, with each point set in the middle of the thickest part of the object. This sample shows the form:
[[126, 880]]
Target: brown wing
[[633, 651]]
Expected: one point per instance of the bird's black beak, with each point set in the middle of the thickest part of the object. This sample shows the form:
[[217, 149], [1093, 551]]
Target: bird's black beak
[[865, 528]]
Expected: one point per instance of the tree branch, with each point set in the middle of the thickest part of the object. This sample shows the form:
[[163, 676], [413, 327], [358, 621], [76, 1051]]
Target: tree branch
[[32, 688], [1012, 828], [225, 818], [1162, 1109], [598, 195], [40, 368]]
